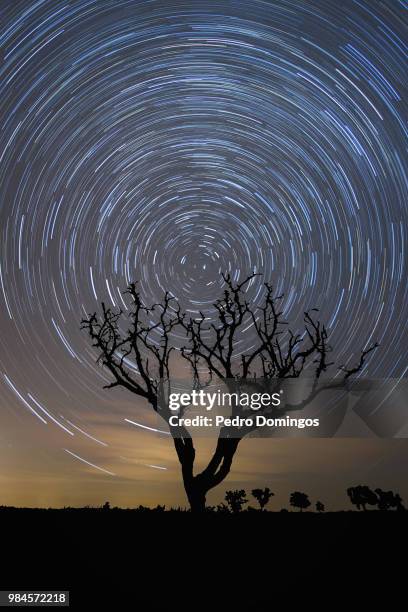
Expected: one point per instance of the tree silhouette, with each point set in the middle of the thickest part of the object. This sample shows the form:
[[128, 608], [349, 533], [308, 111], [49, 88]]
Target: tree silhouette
[[236, 500], [262, 496], [211, 352], [398, 502], [361, 496], [299, 500], [388, 499], [319, 506]]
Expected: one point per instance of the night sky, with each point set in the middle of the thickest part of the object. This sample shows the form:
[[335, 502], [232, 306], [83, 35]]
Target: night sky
[[168, 141]]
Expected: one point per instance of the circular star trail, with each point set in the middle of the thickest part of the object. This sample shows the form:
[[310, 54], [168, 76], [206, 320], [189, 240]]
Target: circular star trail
[[170, 141]]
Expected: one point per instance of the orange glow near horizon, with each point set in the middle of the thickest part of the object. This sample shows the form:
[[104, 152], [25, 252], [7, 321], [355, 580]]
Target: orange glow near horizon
[[45, 466]]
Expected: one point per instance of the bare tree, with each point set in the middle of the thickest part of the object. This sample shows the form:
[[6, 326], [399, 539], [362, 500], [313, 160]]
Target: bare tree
[[262, 496], [211, 352]]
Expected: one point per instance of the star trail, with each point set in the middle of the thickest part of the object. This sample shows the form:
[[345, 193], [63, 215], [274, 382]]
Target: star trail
[[169, 141]]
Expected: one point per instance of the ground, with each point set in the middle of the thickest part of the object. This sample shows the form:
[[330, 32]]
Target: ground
[[175, 560]]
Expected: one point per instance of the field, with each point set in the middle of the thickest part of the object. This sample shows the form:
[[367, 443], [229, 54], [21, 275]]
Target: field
[[156, 560]]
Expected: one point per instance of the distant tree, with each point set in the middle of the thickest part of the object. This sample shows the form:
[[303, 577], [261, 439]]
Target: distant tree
[[398, 502], [236, 500], [299, 500], [106, 506], [385, 499], [136, 351], [262, 496], [389, 499], [319, 506], [361, 496], [159, 508]]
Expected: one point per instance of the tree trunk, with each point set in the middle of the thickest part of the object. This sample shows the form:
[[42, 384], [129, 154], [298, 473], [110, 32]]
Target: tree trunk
[[196, 487], [196, 498]]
